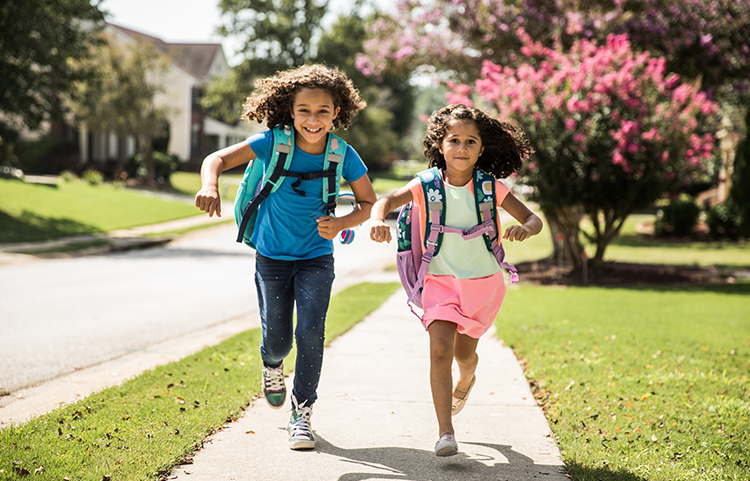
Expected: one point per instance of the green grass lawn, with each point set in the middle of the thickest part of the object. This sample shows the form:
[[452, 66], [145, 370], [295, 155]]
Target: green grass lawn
[[34, 212], [637, 248], [189, 183], [639, 384], [142, 428]]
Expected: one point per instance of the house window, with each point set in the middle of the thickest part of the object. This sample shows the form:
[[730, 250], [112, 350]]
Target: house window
[[212, 143], [195, 142], [196, 96]]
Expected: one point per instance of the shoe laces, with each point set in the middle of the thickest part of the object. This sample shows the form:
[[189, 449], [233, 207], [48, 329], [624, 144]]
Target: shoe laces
[[301, 424], [274, 378]]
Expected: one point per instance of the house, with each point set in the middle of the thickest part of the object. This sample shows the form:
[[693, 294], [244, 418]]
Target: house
[[193, 132]]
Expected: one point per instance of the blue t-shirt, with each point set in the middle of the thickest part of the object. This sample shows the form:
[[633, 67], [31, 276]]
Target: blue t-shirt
[[286, 227]]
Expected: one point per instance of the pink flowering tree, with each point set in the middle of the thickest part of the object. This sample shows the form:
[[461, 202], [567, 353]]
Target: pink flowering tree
[[613, 131], [698, 38]]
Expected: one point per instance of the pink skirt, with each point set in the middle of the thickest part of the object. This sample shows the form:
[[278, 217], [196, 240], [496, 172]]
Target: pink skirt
[[472, 304]]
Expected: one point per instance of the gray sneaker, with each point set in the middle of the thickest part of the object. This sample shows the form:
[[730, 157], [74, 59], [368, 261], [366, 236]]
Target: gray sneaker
[[274, 388], [300, 432]]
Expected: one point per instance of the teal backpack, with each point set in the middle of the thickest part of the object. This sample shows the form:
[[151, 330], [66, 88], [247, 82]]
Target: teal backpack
[[413, 257], [258, 183]]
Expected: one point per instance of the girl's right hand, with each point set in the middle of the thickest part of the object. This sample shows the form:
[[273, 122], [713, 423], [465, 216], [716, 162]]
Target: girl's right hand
[[207, 199], [380, 232]]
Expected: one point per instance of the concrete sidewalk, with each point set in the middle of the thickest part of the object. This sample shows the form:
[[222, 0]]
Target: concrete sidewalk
[[374, 418]]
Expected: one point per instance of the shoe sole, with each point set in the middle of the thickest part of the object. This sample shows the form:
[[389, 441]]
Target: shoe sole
[[301, 444], [447, 450]]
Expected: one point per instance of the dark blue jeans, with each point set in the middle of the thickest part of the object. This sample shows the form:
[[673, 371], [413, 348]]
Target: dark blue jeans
[[280, 285]]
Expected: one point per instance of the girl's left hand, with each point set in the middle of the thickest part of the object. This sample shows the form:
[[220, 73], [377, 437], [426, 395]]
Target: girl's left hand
[[329, 227], [517, 233]]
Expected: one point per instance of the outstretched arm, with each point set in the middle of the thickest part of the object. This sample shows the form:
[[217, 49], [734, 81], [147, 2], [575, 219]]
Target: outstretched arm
[[207, 199], [379, 230], [329, 227], [531, 224]]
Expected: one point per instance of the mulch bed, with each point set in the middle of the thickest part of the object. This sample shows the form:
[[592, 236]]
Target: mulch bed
[[548, 272]]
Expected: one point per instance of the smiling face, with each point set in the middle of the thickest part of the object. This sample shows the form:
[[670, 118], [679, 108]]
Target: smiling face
[[461, 146], [313, 113]]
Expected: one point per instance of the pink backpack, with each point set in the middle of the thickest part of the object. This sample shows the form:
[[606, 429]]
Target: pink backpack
[[413, 258]]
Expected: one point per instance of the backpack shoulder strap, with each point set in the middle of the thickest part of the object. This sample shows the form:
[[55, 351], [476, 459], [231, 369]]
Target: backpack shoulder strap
[[434, 199], [333, 165], [486, 207], [283, 149], [272, 177], [484, 201]]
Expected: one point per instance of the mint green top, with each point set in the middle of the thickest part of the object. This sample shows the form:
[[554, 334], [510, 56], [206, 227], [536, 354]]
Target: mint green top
[[464, 259]]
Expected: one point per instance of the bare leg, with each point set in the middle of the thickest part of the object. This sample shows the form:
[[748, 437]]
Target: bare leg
[[442, 337], [467, 358]]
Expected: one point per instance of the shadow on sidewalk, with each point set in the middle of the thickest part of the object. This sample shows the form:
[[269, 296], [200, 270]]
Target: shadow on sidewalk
[[494, 462]]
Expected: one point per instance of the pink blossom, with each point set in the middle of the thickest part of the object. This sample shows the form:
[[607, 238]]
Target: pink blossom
[[570, 124]]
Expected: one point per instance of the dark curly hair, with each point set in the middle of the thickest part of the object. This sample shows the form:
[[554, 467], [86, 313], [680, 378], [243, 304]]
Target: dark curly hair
[[274, 96], [505, 146]]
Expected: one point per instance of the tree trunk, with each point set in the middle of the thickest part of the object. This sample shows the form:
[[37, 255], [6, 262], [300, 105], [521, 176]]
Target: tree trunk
[[565, 220], [146, 149]]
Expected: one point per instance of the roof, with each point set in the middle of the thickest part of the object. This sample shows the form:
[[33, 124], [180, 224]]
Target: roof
[[194, 58]]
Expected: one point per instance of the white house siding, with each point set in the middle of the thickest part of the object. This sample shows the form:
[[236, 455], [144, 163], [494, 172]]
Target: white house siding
[[176, 98]]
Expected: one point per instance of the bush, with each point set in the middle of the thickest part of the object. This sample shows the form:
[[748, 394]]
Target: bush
[[164, 165], [47, 156], [92, 177], [722, 222], [678, 218]]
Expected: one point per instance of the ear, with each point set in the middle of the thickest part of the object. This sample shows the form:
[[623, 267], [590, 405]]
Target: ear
[[336, 112], [481, 151]]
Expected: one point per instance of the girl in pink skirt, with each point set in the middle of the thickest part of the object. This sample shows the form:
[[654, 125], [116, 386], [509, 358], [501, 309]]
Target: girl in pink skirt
[[464, 286]]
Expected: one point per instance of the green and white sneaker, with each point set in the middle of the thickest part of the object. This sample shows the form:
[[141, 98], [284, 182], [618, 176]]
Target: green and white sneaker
[[300, 432], [274, 388]]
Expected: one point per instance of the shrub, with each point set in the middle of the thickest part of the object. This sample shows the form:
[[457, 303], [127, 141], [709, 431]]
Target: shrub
[[164, 165], [722, 222], [678, 218], [93, 177]]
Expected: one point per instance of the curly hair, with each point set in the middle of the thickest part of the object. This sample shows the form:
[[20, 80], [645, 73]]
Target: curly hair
[[274, 96], [505, 146]]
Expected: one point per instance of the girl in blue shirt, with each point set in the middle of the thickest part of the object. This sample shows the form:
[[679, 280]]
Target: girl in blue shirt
[[293, 232]]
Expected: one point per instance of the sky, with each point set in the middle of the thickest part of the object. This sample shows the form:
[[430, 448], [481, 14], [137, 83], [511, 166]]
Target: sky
[[174, 21]]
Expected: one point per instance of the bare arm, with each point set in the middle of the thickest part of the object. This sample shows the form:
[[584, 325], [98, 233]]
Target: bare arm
[[329, 227], [379, 230], [207, 199], [531, 224]]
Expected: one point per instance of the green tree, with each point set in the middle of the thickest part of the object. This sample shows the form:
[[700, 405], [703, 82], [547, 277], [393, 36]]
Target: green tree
[[739, 192], [389, 101], [38, 41], [277, 34], [122, 100], [292, 36]]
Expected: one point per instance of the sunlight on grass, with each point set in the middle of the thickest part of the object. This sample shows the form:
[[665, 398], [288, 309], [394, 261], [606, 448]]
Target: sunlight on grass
[[142, 428], [189, 183], [635, 381], [40, 212]]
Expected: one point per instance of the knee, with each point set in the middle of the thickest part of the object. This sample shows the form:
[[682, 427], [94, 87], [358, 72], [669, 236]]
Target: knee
[[441, 351], [466, 356]]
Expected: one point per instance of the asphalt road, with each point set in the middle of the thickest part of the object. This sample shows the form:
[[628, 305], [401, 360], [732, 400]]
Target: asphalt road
[[63, 315]]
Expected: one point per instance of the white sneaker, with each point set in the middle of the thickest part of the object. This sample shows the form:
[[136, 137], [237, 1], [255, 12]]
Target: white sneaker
[[446, 445], [300, 432]]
